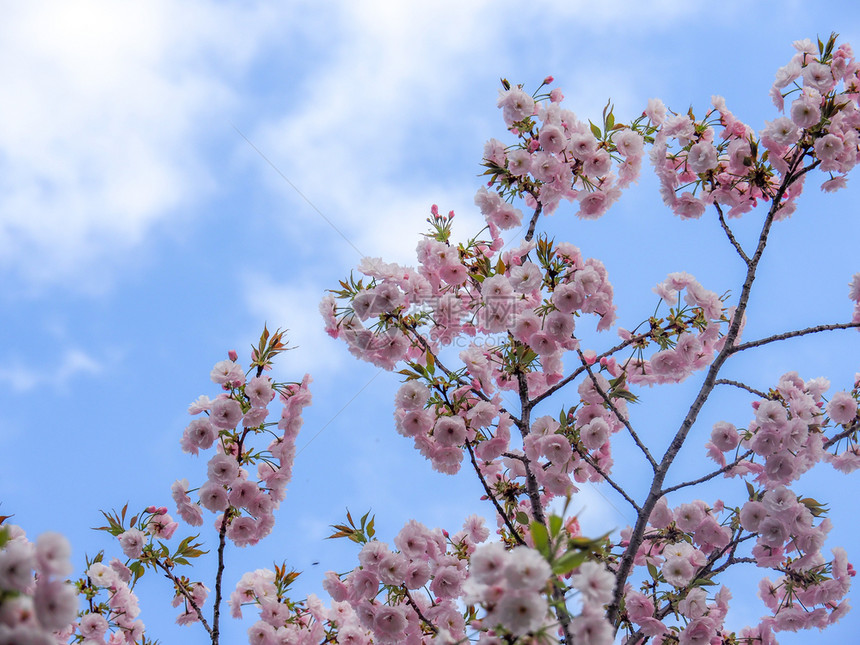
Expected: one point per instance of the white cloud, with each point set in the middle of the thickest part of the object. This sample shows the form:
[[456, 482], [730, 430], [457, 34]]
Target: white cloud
[[107, 107], [23, 377], [393, 75], [103, 106]]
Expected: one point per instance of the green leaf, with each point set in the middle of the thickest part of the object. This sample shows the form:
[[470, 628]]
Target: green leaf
[[569, 561], [595, 130], [555, 523], [522, 518], [703, 582], [370, 530], [540, 537], [652, 570]]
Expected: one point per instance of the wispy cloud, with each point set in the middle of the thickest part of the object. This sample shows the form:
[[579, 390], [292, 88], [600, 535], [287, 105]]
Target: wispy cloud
[[294, 306], [23, 377]]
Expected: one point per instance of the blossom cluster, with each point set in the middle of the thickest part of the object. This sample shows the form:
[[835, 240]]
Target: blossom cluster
[[114, 621], [417, 593], [230, 422], [395, 595], [735, 168], [557, 157], [37, 604]]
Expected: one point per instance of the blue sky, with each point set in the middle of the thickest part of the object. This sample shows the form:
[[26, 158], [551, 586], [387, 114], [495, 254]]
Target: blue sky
[[142, 236]]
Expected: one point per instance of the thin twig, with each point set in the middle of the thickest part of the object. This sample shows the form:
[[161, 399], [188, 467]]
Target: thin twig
[[705, 478], [609, 480], [480, 394], [616, 412], [514, 532], [743, 386], [730, 235], [579, 370], [181, 589]]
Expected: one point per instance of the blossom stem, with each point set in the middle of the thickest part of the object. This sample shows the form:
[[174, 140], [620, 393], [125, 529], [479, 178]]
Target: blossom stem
[[222, 539]]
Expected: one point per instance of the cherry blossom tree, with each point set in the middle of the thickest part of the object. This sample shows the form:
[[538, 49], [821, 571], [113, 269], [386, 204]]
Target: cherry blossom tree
[[533, 406]]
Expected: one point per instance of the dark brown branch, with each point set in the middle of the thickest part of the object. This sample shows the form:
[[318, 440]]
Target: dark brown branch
[[417, 609], [743, 386], [626, 564], [847, 432], [617, 414], [730, 235], [793, 334], [222, 534], [532, 486], [492, 497], [705, 478], [181, 588], [533, 223]]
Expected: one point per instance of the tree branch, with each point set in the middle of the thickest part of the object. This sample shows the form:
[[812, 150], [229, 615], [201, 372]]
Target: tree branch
[[567, 379], [222, 533], [450, 374], [617, 414], [609, 480], [417, 609], [847, 432], [701, 480], [637, 535], [492, 497], [188, 598], [730, 235], [533, 223], [792, 334], [743, 386]]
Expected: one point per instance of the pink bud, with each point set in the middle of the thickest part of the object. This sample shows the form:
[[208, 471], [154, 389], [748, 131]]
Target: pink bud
[[548, 80], [590, 356], [434, 210], [232, 355]]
